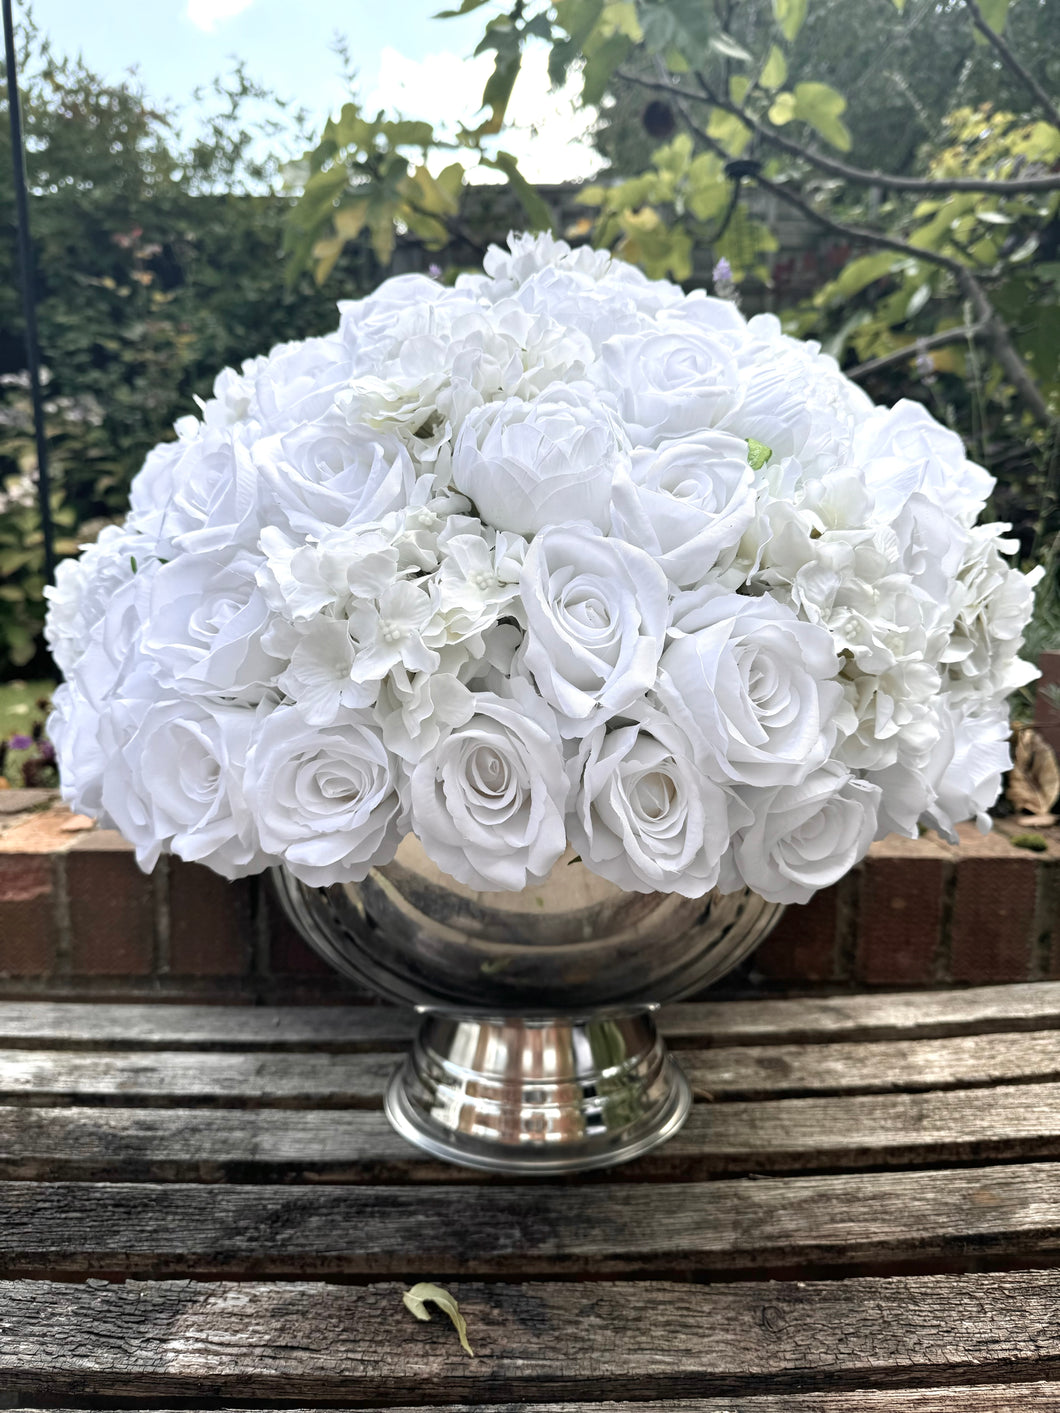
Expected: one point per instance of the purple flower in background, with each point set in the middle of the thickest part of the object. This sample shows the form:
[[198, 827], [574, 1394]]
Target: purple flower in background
[[21, 743], [724, 284]]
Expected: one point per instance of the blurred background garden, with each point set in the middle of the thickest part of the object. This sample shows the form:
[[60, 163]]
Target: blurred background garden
[[884, 175]]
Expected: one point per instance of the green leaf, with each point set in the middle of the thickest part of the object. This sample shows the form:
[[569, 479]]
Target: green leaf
[[758, 454], [860, 273], [738, 86], [820, 105], [917, 300], [600, 66], [532, 203], [776, 69], [729, 131], [899, 5], [789, 15], [994, 13], [416, 1298]]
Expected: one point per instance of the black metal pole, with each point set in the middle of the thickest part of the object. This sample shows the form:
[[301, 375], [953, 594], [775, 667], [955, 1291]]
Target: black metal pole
[[29, 301]]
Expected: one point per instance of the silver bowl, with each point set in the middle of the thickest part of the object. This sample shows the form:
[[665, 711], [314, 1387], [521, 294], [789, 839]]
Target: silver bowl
[[538, 1051]]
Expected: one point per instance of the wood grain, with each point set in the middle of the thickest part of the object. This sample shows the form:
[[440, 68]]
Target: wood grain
[[307, 1341], [904, 1015], [141, 1229], [1009, 1122], [293, 1080]]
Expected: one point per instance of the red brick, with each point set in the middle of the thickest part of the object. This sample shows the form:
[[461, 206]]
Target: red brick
[[210, 927], [802, 946], [111, 912], [900, 919], [27, 915], [289, 953], [993, 919]]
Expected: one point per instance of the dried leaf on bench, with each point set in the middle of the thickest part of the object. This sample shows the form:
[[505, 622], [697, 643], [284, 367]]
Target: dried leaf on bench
[[1034, 780], [416, 1298]]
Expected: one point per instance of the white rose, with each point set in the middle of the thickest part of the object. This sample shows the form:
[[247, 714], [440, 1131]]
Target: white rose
[[686, 503], [967, 765], [488, 801], [74, 730], [326, 799], [752, 685], [215, 503], [802, 837], [84, 588], [596, 616], [174, 780], [526, 465], [204, 632], [298, 382], [644, 815], [667, 384], [327, 473], [903, 450]]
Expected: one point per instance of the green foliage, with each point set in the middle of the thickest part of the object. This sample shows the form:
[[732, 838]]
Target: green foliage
[[157, 264]]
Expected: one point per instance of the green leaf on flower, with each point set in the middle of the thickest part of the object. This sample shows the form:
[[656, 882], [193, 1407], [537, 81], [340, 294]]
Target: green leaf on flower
[[757, 454], [416, 1298]]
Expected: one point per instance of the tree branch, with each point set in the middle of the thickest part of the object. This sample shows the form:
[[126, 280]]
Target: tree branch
[[995, 332], [924, 345], [1012, 63], [924, 186]]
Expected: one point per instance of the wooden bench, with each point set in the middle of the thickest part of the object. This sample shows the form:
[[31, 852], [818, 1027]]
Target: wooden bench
[[204, 1207]]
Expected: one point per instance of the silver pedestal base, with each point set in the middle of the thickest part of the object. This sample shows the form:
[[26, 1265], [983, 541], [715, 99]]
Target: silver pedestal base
[[538, 1096]]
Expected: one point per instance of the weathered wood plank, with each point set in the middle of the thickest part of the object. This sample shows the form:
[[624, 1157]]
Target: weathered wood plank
[[905, 1015], [70, 1231], [306, 1341], [166, 1077], [263, 1078], [1011, 1122]]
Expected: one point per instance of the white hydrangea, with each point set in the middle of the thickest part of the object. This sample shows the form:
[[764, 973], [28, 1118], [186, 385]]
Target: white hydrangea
[[559, 555]]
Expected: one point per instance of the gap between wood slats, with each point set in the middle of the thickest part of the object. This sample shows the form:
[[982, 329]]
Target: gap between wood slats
[[72, 1231], [1005, 1123], [265, 1080], [302, 1342], [997, 1398], [903, 1015]]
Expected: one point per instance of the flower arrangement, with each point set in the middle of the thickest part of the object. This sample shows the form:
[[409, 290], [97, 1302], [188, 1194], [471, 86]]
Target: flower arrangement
[[556, 556]]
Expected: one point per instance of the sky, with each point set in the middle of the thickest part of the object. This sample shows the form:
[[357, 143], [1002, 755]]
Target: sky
[[405, 61]]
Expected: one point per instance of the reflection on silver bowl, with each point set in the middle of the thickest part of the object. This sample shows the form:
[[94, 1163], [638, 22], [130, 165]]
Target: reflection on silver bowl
[[538, 1051]]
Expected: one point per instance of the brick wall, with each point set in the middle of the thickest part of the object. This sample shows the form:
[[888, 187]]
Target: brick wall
[[78, 918]]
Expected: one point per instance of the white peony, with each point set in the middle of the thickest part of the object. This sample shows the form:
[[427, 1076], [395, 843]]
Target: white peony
[[527, 465]]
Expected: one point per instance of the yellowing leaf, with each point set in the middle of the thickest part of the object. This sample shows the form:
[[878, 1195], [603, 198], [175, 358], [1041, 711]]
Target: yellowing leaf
[[350, 219], [820, 105], [738, 86], [416, 1298], [726, 129], [782, 110], [776, 69], [789, 16]]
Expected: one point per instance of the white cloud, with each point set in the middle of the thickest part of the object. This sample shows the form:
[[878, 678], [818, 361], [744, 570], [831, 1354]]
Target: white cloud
[[545, 132], [207, 14]]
